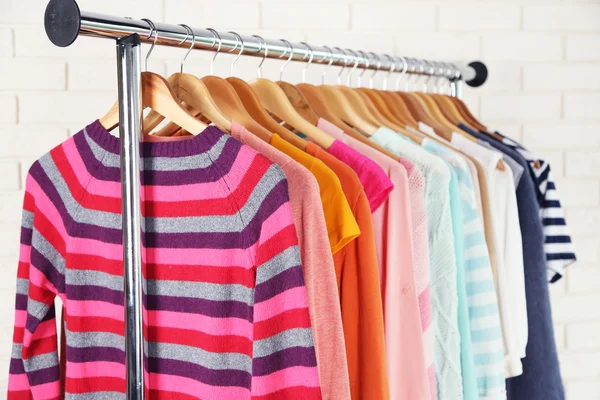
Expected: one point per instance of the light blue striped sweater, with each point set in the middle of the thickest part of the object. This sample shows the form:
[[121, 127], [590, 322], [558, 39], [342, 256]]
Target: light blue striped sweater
[[486, 333]]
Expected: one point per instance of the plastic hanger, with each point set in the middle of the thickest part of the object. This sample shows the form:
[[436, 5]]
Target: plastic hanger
[[158, 95], [257, 111], [191, 91], [276, 102]]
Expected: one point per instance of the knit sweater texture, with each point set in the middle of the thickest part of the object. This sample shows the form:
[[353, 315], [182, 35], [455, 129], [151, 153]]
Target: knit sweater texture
[[444, 295], [225, 307], [486, 342]]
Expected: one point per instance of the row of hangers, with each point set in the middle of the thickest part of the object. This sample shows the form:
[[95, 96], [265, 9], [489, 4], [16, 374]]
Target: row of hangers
[[265, 107]]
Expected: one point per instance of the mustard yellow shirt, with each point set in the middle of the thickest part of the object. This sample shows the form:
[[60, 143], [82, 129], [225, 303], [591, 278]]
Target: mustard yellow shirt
[[341, 224]]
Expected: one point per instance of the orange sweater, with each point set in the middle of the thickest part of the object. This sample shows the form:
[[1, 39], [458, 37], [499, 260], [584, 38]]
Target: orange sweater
[[360, 297]]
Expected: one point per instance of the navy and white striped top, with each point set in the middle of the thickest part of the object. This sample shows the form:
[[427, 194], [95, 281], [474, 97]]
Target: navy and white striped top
[[559, 249]]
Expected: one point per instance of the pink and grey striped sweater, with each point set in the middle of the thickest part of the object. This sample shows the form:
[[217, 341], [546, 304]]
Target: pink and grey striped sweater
[[225, 307]]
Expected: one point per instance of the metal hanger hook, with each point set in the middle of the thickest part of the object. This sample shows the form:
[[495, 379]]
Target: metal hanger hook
[[238, 39], [441, 75], [430, 74], [402, 72], [310, 60], [152, 30], [288, 60], [421, 69], [412, 69], [356, 61], [259, 68], [449, 76], [390, 72], [339, 75], [328, 65], [372, 77], [187, 53], [457, 73], [216, 37], [367, 65]]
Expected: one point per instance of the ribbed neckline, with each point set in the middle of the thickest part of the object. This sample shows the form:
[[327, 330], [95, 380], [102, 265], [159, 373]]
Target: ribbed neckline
[[196, 144]]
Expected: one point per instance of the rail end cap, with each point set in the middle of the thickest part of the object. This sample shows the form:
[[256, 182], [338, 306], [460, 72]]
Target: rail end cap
[[62, 21]]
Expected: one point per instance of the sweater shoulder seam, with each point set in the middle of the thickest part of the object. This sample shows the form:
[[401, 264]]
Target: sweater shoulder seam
[[232, 201]]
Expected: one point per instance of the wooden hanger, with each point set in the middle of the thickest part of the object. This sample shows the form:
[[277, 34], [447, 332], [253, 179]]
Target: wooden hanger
[[398, 104], [386, 122], [464, 110], [378, 101], [231, 105], [276, 102], [194, 93], [359, 105], [500, 166], [420, 112], [466, 113], [321, 108], [260, 115], [158, 95], [435, 111], [390, 108], [340, 106], [299, 102], [448, 108], [226, 98], [394, 104]]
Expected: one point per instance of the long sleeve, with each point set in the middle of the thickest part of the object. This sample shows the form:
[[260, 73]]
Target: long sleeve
[[404, 347], [326, 319], [516, 270], [362, 311], [34, 369], [284, 363]]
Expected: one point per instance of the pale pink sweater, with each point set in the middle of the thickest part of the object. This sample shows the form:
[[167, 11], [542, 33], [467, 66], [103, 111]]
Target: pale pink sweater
[[317, 265], [416, 184], [394, 239]]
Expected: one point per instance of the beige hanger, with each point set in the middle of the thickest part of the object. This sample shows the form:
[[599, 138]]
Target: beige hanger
[[158, 95], [276, 102], [191, 91]]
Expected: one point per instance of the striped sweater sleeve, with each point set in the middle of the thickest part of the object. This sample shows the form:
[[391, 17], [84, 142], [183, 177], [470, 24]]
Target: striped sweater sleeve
[[34, 369], [284, 362]]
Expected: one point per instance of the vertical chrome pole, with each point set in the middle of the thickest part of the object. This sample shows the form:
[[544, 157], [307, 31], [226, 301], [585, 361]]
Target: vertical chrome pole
[[130, 124]]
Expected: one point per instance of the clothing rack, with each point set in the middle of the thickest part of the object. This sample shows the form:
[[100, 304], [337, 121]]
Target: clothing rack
[[64, 22]]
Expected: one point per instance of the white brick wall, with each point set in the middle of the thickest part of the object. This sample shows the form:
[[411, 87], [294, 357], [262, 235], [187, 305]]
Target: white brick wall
[[544, 89]]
